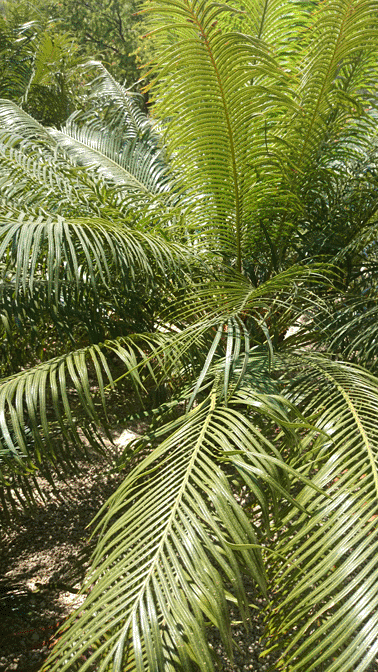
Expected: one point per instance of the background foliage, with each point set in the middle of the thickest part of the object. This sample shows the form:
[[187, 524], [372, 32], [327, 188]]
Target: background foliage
[[109, 29], [39, 68]]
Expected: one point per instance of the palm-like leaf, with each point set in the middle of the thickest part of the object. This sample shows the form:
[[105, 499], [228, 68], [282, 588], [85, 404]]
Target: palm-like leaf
[[57, 249], [116, 136], [229, 78], [39, 428], [61, 245], [127, 160], [328, 583], [131, 165], [340, 35], [166, 565], [251, 170], [42, 393], [338, 63]]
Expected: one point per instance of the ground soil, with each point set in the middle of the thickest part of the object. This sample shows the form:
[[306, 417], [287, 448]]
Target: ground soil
[[43, 560]]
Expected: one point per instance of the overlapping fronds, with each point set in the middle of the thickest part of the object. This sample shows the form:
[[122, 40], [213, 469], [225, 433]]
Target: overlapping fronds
[[364, 242], [65, 395], [128, 163], [216, 89], [45, 181], [13, 79], [15, 121], [115, 135], [351, 327], [344, 42], [265, 312], [245, 136], [119, 107], [326, 609], [49, 57], [80, 315], [37, 66], [274, 22], [258, 124], [77, 250], [166, 565], [118, 168], [46, 410], [334, 120], [213, 346]]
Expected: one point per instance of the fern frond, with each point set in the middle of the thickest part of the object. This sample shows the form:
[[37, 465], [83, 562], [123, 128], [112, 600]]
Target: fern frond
[[217, 90], [193, 540], [327, 586], [74, 250]]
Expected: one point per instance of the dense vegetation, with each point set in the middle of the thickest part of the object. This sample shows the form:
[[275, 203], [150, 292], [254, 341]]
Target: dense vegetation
[[221, 256], [39, 69], [109, 30]]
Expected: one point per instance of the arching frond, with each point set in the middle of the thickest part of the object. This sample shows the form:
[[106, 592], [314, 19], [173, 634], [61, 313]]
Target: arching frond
[[47, 409], [343, 33], [79, 250], [326, 587], [215, 347], [115, 135], [193, 543], [43, 164], [80, 316], [217, 90], [130, 164], [118, 106], [44, 181], [14, 120]]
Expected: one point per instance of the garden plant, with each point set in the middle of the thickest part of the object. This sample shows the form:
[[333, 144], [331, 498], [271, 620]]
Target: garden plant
[[219, 254]]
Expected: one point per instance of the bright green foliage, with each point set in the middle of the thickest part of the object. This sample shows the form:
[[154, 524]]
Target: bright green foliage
[[38, 69], [108, 29], [189, 247]]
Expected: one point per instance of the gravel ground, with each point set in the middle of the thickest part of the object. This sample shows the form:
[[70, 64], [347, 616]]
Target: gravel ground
[[53, 547]]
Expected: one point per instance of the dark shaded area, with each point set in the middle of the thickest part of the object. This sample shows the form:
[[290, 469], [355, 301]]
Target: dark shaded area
[[43, 560]]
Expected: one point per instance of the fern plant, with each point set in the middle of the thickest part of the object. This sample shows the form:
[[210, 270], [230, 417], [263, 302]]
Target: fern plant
[[236, 209], [38, 66]]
